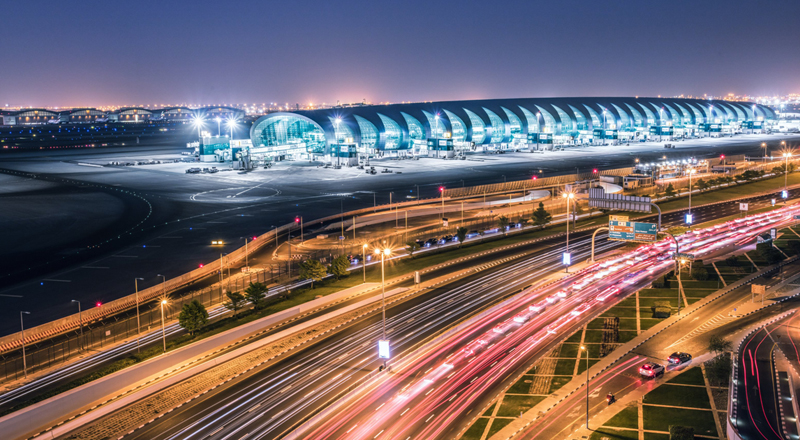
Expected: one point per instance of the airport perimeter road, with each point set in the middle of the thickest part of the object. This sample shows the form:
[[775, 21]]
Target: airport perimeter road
[[85, 215], [622, 378], [271, 401], [757, 405]]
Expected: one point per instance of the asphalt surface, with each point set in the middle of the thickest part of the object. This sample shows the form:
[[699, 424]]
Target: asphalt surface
[[758, 404], [209, 405], [157, 220], [271, 401], [689, 335], [461, 383], [97, 361]]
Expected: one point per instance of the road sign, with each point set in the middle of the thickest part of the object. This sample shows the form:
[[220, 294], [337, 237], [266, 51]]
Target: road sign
[[758, 289], [743, 206], [383, 349], [785, 194], [773, 233], [773, 202], [566, 259], [619, 218], [445, 222], [632, 231], [689, 219]]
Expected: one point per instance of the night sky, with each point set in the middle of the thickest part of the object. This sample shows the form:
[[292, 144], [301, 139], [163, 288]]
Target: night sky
[[62, 53]]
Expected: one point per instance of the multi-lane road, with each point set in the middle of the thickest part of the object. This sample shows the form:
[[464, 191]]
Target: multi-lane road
[[340, 361], [437, 396]]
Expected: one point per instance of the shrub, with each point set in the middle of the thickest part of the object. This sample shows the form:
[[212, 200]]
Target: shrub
[[662, 309]]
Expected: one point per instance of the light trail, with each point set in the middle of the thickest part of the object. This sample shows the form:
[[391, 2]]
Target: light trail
[[496, 353]]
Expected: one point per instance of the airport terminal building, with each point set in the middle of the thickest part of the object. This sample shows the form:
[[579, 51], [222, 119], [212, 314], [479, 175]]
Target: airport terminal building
[[540, 123]]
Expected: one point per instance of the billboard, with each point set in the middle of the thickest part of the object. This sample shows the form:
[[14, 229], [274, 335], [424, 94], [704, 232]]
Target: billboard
[[632, 231]]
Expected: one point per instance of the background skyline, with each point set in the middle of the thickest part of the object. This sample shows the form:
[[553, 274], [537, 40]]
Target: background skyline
[[202, 52]]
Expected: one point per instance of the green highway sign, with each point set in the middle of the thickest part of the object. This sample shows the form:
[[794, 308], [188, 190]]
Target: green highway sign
[[632, 231]]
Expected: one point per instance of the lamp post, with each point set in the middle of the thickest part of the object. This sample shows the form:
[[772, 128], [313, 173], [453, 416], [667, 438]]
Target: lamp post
[[587, 384], [566, 258], [163, 328], [786, 156], [364, 261], [441, 190], [198, 122], [417, 187], [764, 146], [22, 329], [80, 320], [246, 258], [383, 253], [231, 123], [690, 172], [218, 125], [138, 324]]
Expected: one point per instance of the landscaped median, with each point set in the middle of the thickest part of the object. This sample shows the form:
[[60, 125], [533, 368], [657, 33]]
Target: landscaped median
[[578, 382]]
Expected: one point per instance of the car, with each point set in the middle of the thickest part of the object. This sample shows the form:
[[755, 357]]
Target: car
[[430, 242], [679, 357], [472, 234], [420, 243], [651, 370]]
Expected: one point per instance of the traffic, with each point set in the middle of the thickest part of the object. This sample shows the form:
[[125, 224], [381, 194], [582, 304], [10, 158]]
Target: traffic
[[428, 405]]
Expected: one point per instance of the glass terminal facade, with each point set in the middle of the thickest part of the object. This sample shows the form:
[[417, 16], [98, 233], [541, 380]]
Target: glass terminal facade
[[494, 123]]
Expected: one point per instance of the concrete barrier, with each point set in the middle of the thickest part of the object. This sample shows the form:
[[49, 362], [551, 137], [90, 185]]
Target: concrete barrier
[[138, 377]]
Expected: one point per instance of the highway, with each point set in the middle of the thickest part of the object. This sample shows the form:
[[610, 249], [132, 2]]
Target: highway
[[703, 214], [273, 400], [622, 378], [464, 372], [757, 401], [96, 360]]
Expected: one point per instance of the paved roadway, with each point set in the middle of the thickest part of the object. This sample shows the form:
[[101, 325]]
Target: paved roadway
[[339, 359], [96, 361], [689, 335], [271, 401], [759, 417], [180, 214], [462, 379]]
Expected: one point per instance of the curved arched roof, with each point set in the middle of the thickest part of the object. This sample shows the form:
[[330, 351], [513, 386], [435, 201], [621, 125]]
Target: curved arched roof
[[559, 115]]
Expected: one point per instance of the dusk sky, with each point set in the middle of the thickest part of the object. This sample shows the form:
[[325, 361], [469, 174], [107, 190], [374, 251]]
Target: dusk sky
[[86, 53]]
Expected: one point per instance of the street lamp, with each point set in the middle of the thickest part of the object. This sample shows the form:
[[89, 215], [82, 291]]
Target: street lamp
[[138, 325], [587, 384], [383, 253], [231, 123], [80, 320], [566, 260], [22, 329], [786, 156], [163, 329], [764, 146], [441, 190], [689, 215], [299, 219], [364, 260], [246, 260], [197, 121]]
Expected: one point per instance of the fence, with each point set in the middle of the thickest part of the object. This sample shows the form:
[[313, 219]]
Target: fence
[[543, 182], [100, 334]]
